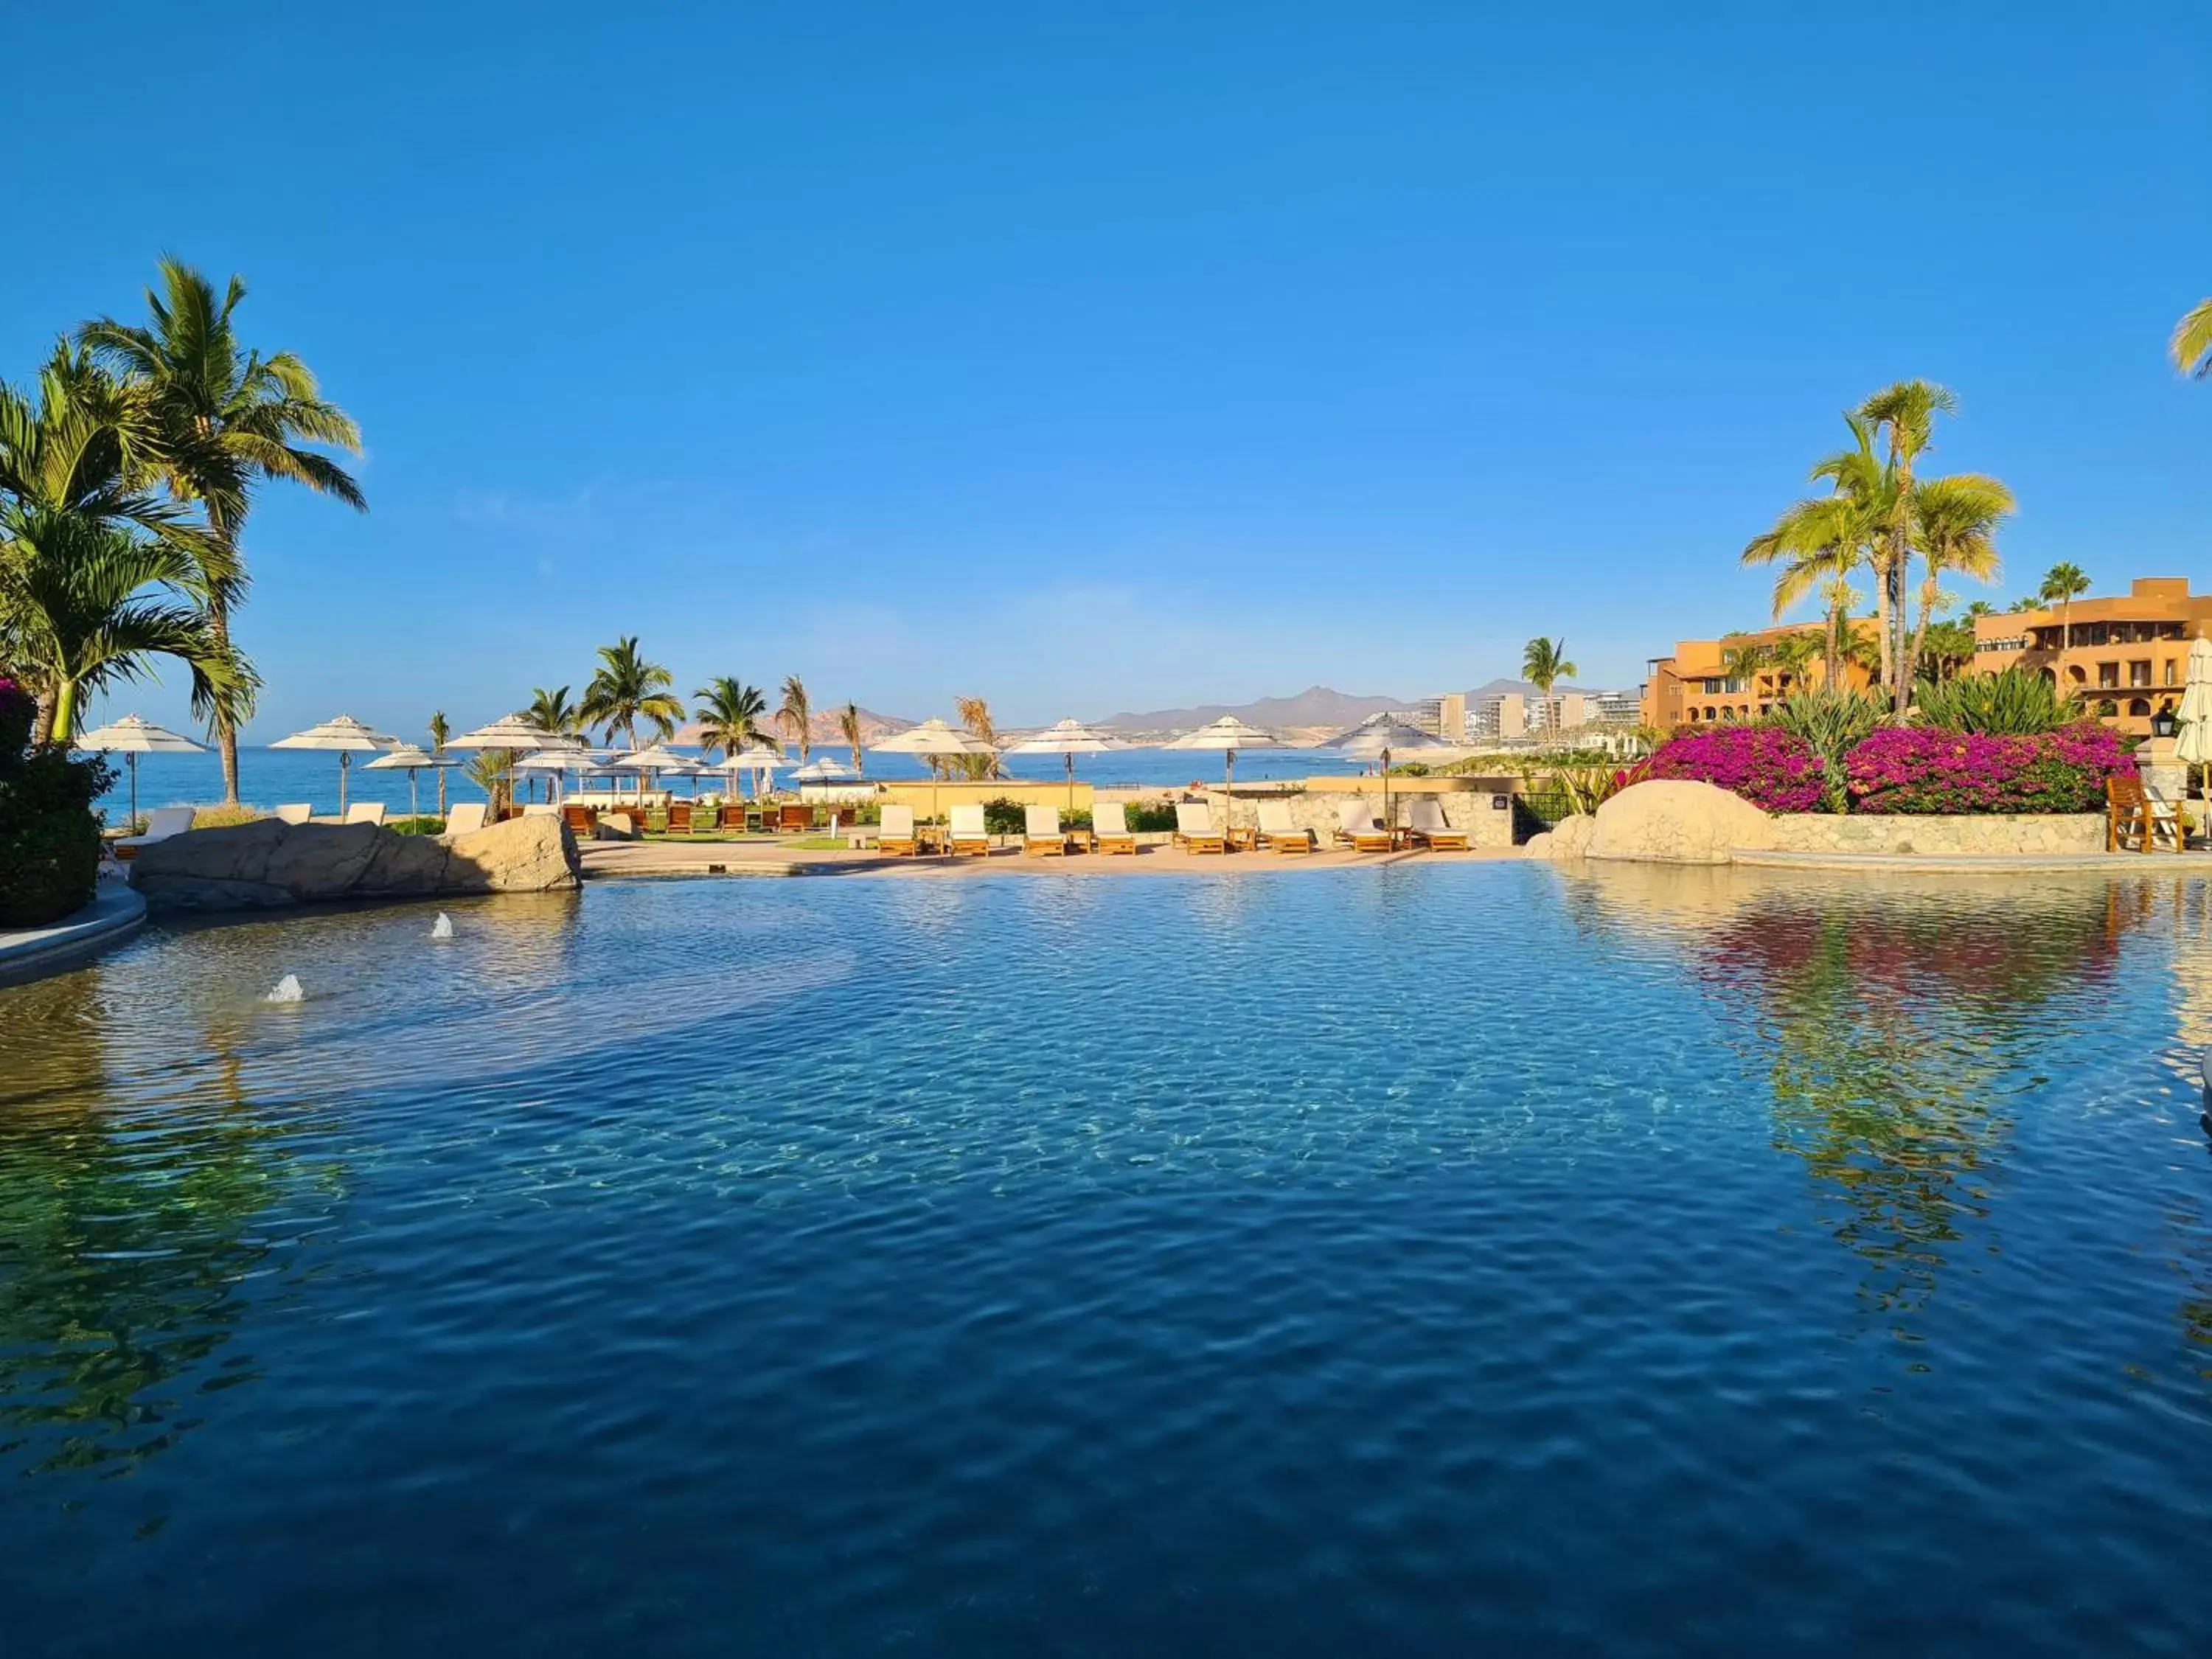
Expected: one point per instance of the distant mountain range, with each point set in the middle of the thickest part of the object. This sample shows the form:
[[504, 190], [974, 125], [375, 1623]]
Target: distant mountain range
[[1317, 707]]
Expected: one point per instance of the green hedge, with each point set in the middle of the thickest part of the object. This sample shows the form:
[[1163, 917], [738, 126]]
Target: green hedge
[[49, 835]]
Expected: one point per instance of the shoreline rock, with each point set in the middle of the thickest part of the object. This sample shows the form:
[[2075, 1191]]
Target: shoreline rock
[[270, 865]]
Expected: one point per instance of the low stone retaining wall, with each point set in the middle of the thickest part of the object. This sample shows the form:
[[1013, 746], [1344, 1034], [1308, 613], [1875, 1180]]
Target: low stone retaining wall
[[1992, 836], [1321, 811], [269, 864]]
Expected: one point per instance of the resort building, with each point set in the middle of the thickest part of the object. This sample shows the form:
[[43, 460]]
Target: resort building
[[1442, 716], [2125, 658], [1694, 686]]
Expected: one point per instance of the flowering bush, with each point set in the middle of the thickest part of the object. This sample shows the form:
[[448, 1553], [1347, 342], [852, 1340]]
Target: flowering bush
[[1768, 767], [1920, 768]]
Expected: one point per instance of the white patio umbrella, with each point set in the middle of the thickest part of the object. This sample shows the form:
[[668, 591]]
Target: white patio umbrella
[[1228, 734], [130, 738], [647, 762], [1379, 737], [932, 737], [346, 735], [757, 759], [515, 732], [1067, 739], [2193, 744], [561, 762], [412, 759], [825, 770]]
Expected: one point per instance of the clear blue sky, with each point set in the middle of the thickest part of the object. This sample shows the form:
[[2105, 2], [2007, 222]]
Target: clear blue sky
[[1135, 355]]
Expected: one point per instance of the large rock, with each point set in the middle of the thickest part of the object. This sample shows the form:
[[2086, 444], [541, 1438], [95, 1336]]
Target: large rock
[[1569, 839], [1669, 821], [269, 864]]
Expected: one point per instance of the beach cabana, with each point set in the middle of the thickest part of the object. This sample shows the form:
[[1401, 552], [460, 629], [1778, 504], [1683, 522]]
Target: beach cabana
[[410, 759], [346, 735], [1381, 736], [1067, 739], [1228, 735], [132, 737], [933, 737]]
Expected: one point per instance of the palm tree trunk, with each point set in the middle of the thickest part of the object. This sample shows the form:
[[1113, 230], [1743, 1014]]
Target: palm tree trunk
[[226, 734], [1832, 661], [1928, 593], [1885, 636], [62, 719]]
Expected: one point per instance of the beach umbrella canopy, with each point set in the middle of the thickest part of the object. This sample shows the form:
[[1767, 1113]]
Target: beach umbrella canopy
[[132, 737], [649, 762], [932, 737], [412, 759], [2193, 744], [1067, 739], [1381, 736], [824, 770], [344, 734], [1228, 735], [514, 732]]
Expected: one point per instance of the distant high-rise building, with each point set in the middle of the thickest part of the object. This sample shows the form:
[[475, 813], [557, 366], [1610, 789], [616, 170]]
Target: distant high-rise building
[[1442, 716]]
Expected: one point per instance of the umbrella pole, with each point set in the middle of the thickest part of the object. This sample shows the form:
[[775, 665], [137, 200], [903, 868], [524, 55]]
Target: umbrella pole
[[1386, 798], [345, 765], [1071, 782], [1228, 800], [414, 800], [133, 759]]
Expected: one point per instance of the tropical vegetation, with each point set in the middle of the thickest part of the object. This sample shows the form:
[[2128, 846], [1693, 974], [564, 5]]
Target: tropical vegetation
[[1544, 664], [2191, 344], [49, 839], [730, 713], [627, 690], [796, 715]]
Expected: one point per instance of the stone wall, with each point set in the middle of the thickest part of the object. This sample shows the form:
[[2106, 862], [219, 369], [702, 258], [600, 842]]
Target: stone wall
[[1994, 836], [269, 864], [1320, 811]]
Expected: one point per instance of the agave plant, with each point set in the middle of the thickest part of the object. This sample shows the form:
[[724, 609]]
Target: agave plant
[[2019, 702], [1830, 721]]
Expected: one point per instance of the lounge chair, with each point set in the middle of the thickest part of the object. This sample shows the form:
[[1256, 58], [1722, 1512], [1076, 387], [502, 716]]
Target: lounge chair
[[1109, 829], [470, 815], [294, 812], [895, 834], [1424, 822], [1278, 833], [161, 822], [1042, 833], [679, 818], [365, 812], [2130, 812], [541, 809], [1356, 822], [969, 835], [579, 819], [790, 817], [1194, 828], [733, 816]]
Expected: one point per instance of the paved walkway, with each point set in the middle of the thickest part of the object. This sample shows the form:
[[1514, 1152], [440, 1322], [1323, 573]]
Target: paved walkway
[[646, 857], [115, 913]]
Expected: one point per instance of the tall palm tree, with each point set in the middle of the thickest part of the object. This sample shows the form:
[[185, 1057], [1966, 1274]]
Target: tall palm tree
[[2191, 344], [2062, 584], [1955, 522], [1544, 664], [1742, 657], [848, 727], [976, 714], [1821, 541], [1904, 414], [219, 419], [796, 714], [730, 713], [551, 713], [1790, 655], [439, 731], [627, 689]]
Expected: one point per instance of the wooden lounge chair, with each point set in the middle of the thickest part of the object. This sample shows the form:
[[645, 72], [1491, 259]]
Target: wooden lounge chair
[[294, 812], [1356, 823], [2129, 812], [470, 815], [365, 812], [679, 818], [895, 834], [1042, 833], [1109, 829], [968, 833], [793, 817], [1278, 834], [161, 822], [732, 816], [579, 819], [1195, 832], [1424, 823]]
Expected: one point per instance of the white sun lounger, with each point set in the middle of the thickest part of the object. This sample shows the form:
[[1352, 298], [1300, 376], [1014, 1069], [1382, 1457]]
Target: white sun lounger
[[1042, 833], [1278, 833], [161, 822], [466, 815], [294, 812], [1424, 822], [1356, 822], [969, 835], [895, 834], [365, 812], [1194, 828], [1109, 829]]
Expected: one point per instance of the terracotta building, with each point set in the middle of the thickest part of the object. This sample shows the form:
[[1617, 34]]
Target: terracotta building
[[2127, 658], [1693, 687]]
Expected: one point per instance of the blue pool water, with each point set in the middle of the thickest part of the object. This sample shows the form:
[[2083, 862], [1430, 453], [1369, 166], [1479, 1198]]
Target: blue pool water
[[1429, 1262]]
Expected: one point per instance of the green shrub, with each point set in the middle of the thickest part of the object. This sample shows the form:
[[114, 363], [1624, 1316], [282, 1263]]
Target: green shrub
[[49, 836], [1149, 817], [2019, 703], [223, 817], [1004, 818], [1830, 721], [422, 826]]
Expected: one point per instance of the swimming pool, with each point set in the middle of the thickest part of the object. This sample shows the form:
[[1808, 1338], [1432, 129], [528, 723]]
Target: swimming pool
[[1409, 1260]]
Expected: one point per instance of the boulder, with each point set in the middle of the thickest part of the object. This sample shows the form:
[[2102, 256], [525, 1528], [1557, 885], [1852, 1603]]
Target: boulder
[[1672, 821], [1569, 839], [270, 864]]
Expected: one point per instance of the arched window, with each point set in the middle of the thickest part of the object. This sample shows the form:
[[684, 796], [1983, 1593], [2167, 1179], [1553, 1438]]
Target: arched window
[[2139, 706]]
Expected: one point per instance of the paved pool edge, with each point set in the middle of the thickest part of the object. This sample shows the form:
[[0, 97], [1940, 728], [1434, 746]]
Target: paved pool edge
[[115, 913]]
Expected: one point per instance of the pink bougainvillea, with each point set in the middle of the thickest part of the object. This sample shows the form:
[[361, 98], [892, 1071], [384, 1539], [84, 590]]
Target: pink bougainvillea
[[1920, 768], [1766, 765]]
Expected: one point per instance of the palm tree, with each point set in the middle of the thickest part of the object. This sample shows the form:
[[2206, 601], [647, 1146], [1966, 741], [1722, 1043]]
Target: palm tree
[[1544, 664], [796, 714], [730, 713], [2062, 584], [2191, 344], [849, 726], [1821, 541], [551, 713], [1790, 655], [1956, 523], [217, 419], [439, 731], [1904, 414], [976, 714], [492, 770], [625, 689]]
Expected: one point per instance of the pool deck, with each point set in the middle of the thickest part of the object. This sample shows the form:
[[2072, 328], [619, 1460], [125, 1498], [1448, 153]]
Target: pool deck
[[2130, 864], [613, 859], [114, 914]]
